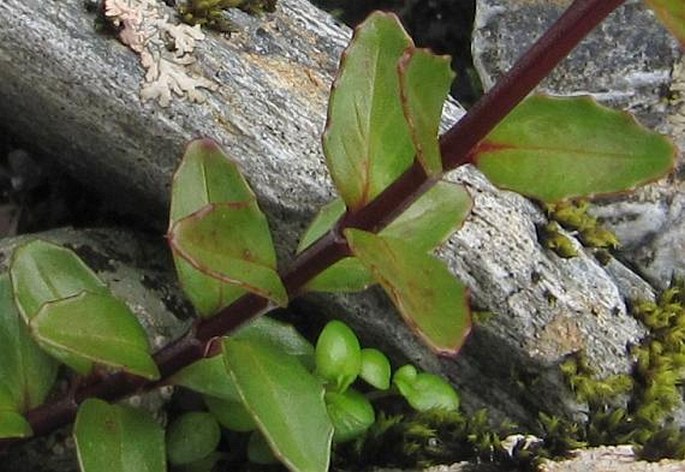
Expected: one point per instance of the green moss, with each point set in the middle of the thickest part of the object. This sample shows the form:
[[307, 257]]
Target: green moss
[[653, 387], [573, 216], [559, 436], [552, 238], [212, 13], [587, 388], [668, 442], [422, 439]]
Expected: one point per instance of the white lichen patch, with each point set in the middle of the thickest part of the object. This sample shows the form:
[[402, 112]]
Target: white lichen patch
[[165, 49]]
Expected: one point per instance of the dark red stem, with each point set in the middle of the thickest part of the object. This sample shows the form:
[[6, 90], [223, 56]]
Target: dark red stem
[[536, 64], [579, 19]]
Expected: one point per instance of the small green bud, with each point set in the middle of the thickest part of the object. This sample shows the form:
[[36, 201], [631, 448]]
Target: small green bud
[[351, 414], [375, 369], [425, 391], [338, 356]]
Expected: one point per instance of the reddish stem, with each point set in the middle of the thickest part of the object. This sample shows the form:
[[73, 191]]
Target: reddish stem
[[578, 20], [536, 64]]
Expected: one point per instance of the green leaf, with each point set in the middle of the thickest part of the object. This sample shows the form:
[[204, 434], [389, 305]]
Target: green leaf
[[429, 221], [351, 414], [405, 375], [557, 148], [207, 376], [367, 143], [13, 425], [206, 175], [192, 437], [426, 294], [207, 294], [117, 439], [425, 391], [206, 464], [425, 81], [231, 243], [323, 222], [338, 355], [43, 272], [280, 335], [672, 15], [375, 369], [26, 372], [285, 400], [231, 414], [346, 275], [94, 327]]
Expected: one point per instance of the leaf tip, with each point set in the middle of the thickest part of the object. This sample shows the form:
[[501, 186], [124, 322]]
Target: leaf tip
[[203, 144]]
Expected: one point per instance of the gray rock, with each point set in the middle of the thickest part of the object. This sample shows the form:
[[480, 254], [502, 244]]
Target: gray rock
[[630, 62]]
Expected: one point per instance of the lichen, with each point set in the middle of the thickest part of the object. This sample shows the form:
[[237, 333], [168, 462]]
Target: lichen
[[165, 49]]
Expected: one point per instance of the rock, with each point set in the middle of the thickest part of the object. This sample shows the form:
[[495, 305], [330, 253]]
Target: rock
[[78, 99], [137, 270], [596, 459], [610, 459], [630, 62]]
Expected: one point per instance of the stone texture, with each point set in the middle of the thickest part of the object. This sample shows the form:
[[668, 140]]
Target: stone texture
[[610, 459], [630, 62], [598, 459]]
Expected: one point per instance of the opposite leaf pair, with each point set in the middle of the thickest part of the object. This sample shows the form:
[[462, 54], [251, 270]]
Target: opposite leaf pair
[[54, 308], [220, 240]]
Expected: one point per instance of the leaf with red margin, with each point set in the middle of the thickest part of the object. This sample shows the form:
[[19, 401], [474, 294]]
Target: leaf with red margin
[[425, 80], [367, 143], [429, 298], [205, 176], [286, 402], [556, 148], [231, 242], [428, 222], [672, 15], [94, 327]]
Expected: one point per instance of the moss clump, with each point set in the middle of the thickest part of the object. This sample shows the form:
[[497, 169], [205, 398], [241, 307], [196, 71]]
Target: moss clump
[[660, 365], [653, 388], [212, 13], [423, 439], [573, 216], [552, 238], [587, 388]]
